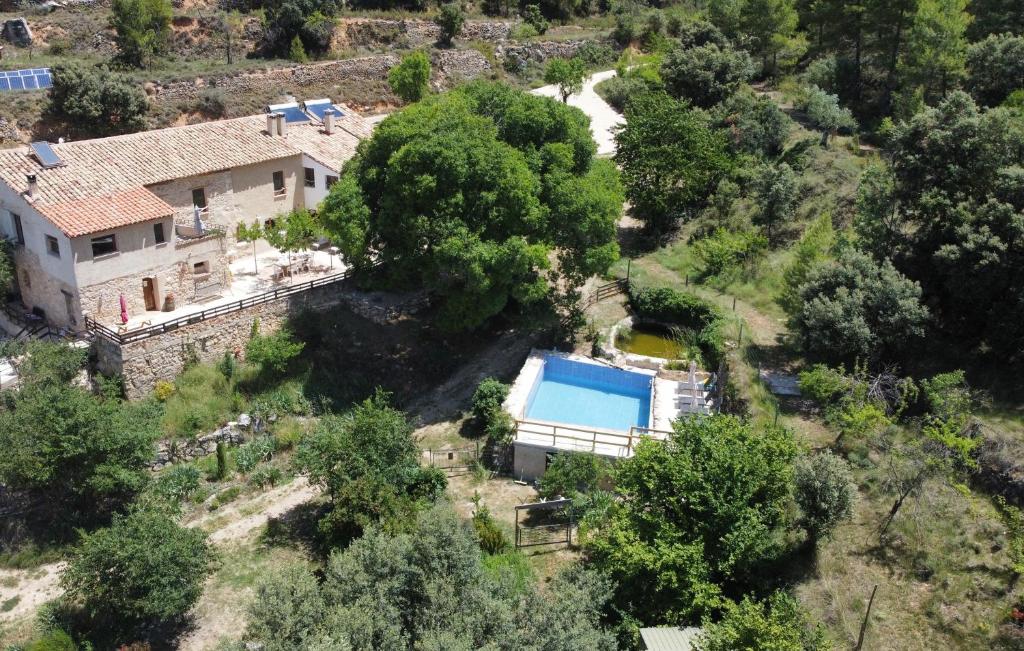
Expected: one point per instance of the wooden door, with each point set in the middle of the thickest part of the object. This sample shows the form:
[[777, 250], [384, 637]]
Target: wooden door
[[149, 293]]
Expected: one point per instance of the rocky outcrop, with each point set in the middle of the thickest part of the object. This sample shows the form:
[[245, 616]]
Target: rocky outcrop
[[169, 452]]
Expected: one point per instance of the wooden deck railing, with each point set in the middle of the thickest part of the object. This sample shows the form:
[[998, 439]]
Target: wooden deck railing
[[98, 329], [584, 439]]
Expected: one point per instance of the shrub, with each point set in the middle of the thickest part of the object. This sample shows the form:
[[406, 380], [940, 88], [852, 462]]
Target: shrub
[[725, 250], [163, 390], [226, 496], [410, 79], [250, 454], [177, 483], [778, 623], [287, 433], [56, 640], [144, 567], [266, 475], [273, 352], [593, 53], [228, 365], [535, 19], [222, 460], [212, 103], [487, 399], [571, 473], [824, 491], [296, 51], [617, 91], [450, 20], [492, 539]]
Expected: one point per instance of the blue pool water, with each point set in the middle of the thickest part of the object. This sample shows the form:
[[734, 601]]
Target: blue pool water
[[589, 395]]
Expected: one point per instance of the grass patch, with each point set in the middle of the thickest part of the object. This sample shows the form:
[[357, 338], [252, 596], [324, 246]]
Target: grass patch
[[9, 604]]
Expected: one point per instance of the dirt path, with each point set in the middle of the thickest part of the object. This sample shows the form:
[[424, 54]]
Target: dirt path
[[230, 524], [32, 588]]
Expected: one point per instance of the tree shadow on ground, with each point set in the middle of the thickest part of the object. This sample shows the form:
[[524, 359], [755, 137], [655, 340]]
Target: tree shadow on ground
[[297, 527]]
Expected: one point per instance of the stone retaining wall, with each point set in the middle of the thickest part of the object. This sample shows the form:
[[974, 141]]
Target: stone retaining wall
[[449, 68], [162, 357]]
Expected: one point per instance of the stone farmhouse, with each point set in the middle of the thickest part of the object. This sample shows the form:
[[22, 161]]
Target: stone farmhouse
[[147, 218]]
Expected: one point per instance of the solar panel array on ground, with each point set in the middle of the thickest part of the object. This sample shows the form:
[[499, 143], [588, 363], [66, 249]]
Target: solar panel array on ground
[[28, 79]]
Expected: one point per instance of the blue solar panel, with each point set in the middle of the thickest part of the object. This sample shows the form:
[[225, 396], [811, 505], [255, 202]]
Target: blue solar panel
[[293, 114], [27, 79], [319, 108], [47, 157]]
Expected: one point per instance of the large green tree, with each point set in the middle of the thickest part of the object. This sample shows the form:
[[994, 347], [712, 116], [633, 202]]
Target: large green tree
[[671, 159], [753, 125], [144, 568], [706, 74], [949, 210], [672, 557], [143, 29], [78, 455], [858, 308], [995, 68], [366, 462], [934, 58], [95, 101], [426, 589], [472, 193]]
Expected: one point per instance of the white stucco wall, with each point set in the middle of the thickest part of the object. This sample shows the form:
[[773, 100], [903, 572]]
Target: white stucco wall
[[316, 194]]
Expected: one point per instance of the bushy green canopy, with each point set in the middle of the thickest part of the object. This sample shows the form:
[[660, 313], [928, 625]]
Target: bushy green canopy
[[949, 211], [858, 308], [144, 568], [97, 101], [426, 589], [469, 193], [699, 512], [671, 158]]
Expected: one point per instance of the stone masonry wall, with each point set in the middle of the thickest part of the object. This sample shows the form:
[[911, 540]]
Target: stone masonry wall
[[102, 300], [143, 363]]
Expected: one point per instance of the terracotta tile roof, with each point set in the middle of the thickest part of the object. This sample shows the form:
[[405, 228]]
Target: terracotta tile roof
[[122, 166], [94, 214], [331, 151]]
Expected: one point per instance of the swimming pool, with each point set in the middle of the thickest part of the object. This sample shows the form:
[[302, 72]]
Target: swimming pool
[[590, 395]]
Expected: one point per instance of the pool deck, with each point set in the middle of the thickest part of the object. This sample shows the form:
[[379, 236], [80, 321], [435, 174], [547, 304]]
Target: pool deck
[[670, 399]]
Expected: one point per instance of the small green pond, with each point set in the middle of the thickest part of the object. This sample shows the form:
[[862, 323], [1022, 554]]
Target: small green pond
[[652, 341]]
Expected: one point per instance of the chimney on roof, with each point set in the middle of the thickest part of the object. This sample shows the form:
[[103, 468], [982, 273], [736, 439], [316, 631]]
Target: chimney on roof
[[33, 186], [282, 125], [271, 124], [329, 121]]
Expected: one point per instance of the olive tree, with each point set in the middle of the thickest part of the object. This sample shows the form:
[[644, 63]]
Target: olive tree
[[706, 74], [857, 307], [824, 492]]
